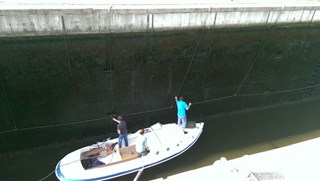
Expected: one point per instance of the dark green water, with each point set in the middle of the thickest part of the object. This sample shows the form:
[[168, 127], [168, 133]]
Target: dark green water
[[231, 136]]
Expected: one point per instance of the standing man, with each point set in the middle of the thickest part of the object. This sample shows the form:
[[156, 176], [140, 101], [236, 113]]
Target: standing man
[[122, 130], [182, 107]]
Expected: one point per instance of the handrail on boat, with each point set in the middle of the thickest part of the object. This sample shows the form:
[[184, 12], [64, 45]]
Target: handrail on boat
[[156, 135]]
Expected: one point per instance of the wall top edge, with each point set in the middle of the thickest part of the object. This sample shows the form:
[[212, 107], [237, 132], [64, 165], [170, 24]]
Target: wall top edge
[[157, 9], [155, 4]]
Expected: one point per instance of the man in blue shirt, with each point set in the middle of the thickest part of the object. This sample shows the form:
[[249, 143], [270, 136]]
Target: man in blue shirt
[[182, 107]]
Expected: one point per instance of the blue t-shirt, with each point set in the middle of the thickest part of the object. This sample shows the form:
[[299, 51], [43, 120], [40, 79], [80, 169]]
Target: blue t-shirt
[[141, 144], [182, 107]]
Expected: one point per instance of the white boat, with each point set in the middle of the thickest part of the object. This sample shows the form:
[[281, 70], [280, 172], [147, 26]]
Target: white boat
[[104, 160]]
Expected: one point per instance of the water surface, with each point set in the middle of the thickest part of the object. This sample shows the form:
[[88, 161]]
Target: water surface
[[231, 136]]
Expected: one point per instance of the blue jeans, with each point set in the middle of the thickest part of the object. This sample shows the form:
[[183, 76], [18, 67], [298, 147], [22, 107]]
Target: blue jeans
[[123, 136], [182, 121]]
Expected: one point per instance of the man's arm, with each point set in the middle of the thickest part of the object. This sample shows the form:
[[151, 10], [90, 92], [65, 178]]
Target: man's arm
[[188, 106], [116, 120]]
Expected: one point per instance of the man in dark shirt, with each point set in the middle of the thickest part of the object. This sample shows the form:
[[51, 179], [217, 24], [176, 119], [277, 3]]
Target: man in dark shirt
[[122, 130]]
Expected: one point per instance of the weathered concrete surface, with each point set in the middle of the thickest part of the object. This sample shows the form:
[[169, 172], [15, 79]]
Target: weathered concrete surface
[[33, 18], [291, 163]]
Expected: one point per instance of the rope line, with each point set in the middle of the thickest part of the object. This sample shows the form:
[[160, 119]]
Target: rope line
[[258, 54], [187, 72], [192, 57], [253, 63], [9, 131], [167, 108], [278, 92], [111, 65], [65, 124], [60, 166], [149, 111], [8, 104], [47, 175], [149, 40], [213, 100]]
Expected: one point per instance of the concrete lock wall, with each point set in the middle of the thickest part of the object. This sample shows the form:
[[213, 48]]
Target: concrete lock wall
[[65, 86], [134, 18]]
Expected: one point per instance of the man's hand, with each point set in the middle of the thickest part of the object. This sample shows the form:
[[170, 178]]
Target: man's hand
[[176, 98]]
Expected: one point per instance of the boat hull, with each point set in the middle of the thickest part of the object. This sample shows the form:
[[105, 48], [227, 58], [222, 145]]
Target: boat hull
[[164, 141]]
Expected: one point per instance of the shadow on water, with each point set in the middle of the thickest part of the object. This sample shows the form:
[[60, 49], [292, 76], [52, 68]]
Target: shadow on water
[[231, 136]]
